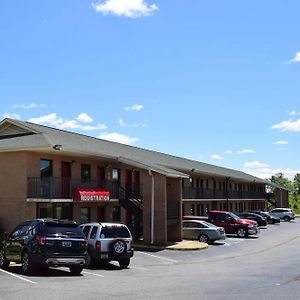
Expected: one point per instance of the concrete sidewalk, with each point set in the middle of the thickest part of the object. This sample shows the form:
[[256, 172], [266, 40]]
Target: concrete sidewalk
[[185, 245]]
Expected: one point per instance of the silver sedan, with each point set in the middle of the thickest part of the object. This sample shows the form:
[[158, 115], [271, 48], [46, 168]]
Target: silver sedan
[[203, 231]]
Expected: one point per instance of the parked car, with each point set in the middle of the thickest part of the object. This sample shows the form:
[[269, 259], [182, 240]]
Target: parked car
[[285, 214], [261, 221], [44, 242], [270, 219], [107, 242], [203, 231], [232, 223]]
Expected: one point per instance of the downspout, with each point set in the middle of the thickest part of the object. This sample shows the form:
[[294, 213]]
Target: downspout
[[152, 207]]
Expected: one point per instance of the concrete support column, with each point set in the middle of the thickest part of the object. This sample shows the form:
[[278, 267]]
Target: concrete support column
[[154, 208], [174, 209]]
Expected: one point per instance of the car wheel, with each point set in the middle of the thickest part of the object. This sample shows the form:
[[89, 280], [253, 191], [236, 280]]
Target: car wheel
[[118, 247], [287, 219], [3, 262], [124, 263], [76, 270], [242, 232], [26, 263], [203, 238]]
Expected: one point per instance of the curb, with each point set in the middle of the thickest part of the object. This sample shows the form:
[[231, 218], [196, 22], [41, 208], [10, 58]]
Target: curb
[[188, 247], [181, 246]]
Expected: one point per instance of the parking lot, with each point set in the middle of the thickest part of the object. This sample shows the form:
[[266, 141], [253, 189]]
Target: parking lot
[[263, 267]]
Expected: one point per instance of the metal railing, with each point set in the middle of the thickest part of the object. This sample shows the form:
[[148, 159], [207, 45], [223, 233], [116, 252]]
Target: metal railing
[[62, 188], [200, 193]]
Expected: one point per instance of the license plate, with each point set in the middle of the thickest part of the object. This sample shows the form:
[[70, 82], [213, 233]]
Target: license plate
[[104, 256], [66, 244]]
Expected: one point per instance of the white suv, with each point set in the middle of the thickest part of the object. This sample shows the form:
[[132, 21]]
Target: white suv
[[107, 242], [283, 213]]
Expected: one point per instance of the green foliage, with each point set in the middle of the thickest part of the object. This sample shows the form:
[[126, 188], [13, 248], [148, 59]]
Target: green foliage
[[297, 184], [294, 189], [281, 180]]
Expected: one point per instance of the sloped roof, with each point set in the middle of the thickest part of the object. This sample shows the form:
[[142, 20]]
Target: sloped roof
[[169, 165]]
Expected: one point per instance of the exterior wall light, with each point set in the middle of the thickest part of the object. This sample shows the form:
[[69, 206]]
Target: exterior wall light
[[57, 147]]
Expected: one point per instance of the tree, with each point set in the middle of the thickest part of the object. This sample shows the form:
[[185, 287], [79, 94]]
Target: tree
[[297, 184], [283, 181]]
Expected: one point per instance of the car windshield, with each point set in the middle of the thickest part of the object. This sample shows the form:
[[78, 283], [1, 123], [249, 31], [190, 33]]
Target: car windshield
[[62, 230], [115, 232], [234, 216], [209, 224]]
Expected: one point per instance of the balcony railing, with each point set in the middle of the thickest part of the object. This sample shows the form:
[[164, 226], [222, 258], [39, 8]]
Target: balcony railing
[[62, 188], [199, 193]]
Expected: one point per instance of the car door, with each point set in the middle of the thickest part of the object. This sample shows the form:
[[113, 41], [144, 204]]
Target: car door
[[276, 212], [187, 229], [16, 241]]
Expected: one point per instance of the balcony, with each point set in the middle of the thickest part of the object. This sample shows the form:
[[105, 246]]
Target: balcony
[[62, 188], [200, 193]]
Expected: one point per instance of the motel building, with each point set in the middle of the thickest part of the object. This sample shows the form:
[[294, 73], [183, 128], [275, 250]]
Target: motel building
[[52, 173]]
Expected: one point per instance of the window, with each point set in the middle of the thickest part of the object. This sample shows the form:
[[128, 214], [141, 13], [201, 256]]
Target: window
[[85, 173], [55, 210], [46, 174], [192, 210], [45, 168], [116, 174], [86, 230], [115, 232], [84, 214], [93, 232]]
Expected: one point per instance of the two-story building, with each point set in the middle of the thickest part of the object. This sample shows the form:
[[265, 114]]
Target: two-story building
[[47, 172]]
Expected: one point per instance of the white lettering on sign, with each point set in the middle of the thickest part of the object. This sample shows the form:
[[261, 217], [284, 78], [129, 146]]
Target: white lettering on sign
[[94, 198]]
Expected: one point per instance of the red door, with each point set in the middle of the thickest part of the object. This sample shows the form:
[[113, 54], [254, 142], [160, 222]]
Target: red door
[[65, 179]]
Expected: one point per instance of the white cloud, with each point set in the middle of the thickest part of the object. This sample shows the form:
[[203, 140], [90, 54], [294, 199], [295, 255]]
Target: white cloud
[[228, 152], [135, 125], [12, 116], [245, 151], [125, 8], [84, 117], [294, 113], [216, 157], [280, 143], [58, 122], [263, 170], [134, 107], [290, 125], [121, 122], [296, 59], [29, 106], [118, 137]]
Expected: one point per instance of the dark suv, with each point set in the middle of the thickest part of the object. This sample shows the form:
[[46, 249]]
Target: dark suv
[[45, 242]]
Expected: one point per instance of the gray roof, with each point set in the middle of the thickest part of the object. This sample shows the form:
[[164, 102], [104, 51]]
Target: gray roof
[[169, 165]]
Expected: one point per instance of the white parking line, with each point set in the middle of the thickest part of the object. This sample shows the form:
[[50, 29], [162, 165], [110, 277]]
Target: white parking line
[[139, 268], [90, 273], [17, 276], [159, 257]]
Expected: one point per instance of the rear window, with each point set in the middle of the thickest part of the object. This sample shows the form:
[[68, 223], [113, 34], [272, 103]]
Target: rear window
[[71, 230], [114, 232]]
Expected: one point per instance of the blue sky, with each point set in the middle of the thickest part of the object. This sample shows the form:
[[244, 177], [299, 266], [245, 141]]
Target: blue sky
[[215, 81]]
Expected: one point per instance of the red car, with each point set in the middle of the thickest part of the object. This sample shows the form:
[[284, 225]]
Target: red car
[[232, 223]]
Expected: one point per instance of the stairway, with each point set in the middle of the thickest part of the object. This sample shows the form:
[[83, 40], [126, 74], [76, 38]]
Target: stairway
[[129, 201]]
